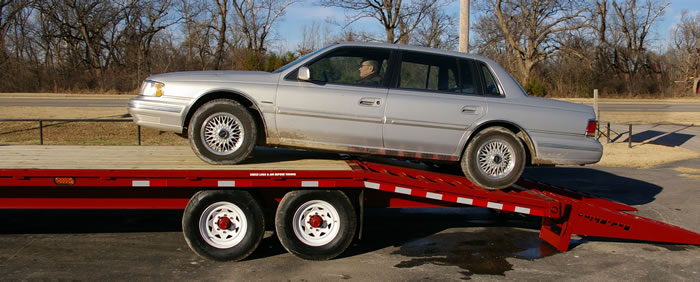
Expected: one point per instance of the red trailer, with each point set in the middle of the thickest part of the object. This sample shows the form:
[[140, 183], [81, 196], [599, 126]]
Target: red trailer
[[316, 213]]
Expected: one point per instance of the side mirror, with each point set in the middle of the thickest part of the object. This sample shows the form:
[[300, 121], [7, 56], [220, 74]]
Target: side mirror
[[304, 74]]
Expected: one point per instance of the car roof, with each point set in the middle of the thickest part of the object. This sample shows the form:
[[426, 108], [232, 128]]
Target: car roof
[[412, 48]]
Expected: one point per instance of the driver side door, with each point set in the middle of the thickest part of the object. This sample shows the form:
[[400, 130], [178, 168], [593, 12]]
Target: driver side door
[[332, 110]]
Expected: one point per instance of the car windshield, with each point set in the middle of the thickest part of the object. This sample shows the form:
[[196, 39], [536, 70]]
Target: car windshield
[[285, 67]]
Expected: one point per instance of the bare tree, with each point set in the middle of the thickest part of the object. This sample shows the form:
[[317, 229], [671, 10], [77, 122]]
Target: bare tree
[[256, 19], [686, 46], [9, 10], [398, 18], [221, 13], [633, 23], [142, 22], [197, 32], [530, 28], [437, 30], [86, 26]]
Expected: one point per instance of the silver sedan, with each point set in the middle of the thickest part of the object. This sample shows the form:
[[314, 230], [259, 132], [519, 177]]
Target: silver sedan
[[380, 99]]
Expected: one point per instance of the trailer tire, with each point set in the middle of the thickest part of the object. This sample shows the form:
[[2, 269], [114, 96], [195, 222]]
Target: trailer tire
[[222, 132], [223, 225], [494, 158], [315, 225]]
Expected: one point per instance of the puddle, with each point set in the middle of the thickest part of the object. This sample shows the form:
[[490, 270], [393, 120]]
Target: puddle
[[481, 252]]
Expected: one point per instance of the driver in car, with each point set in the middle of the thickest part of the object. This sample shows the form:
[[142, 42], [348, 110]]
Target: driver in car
[[369, 73]]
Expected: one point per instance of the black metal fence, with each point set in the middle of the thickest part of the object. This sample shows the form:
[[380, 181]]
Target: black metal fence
[[41, 124]]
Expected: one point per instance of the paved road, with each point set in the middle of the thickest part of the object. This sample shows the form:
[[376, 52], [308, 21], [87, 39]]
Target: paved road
[[621, 107], [405, 245], [122, 102]]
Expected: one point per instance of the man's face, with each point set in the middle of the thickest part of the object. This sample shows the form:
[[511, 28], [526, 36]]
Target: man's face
[[366, 68]]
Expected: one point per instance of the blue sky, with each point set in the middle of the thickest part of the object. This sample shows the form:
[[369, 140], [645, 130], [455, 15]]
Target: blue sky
[[298, 15]]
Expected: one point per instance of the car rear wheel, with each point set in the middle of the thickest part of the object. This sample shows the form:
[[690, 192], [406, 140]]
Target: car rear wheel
[[494, 159], [222, 131]]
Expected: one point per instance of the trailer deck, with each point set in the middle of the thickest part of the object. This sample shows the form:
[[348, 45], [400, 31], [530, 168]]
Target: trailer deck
[[564, 212]]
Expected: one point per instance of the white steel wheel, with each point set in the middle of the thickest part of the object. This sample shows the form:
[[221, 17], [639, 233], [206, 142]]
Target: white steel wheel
[[223, 225], [316, 223]]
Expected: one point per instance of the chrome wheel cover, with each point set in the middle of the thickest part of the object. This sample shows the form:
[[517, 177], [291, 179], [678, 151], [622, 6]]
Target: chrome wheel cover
[[495, 158], [222, 133], [210, 228], [312, 235]]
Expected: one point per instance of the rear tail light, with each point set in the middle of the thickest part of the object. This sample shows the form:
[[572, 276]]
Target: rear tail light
[[591, 128]]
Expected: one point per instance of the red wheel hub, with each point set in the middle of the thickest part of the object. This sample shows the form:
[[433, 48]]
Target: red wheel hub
[[224, 223], [315, 221]]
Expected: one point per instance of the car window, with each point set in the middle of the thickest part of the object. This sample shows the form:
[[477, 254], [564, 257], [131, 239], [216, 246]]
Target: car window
[[357, 66], [466, 76], [490, 84], [429, 72]]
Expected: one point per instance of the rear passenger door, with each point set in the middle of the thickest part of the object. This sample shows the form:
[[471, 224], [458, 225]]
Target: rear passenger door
[[430, 106]]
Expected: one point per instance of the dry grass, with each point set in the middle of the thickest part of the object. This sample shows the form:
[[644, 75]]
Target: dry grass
[[684, 118], [84, 133], [63, 112], [643, 155], [78, 133]]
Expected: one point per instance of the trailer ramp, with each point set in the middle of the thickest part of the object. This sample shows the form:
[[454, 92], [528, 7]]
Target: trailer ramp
[[564, 212]]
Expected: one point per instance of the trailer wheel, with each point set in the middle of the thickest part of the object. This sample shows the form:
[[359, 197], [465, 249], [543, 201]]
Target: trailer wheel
[[494, 159], [315, 225], [223, 225], [223, 132]]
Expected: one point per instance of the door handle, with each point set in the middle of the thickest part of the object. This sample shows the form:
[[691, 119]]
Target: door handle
[[471, 110], [370, 101]]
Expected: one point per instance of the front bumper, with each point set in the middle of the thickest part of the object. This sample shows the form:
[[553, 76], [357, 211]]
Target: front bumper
[[161, 113]]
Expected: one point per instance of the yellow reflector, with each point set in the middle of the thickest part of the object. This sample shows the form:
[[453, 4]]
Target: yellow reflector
[[159, 89], [64, 180]]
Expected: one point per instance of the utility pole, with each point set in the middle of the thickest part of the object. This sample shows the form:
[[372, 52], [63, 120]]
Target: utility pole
[[464, 26]]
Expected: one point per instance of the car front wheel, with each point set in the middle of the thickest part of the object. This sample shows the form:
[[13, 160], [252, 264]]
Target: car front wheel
[[222, 132], [494, 159]]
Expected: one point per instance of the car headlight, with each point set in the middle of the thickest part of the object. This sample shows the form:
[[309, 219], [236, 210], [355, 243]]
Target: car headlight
[[152, 88]]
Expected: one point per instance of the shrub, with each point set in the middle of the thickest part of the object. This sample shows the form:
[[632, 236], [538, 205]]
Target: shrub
[[535, 88]]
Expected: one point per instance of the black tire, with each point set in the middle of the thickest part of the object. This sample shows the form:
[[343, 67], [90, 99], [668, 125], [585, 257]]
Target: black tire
[[242, 238], [240, 121], [323, 243], [500, 169]]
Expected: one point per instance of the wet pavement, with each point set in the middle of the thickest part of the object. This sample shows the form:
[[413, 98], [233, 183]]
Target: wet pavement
[[406, 244]]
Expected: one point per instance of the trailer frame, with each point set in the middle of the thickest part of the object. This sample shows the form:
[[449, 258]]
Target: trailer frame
[[564, 212]]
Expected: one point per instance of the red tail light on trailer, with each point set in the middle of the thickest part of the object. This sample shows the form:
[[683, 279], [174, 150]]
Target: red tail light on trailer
[[64, 180]]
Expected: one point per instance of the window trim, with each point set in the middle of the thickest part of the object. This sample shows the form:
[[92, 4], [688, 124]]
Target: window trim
[[483, 81], [477, 83], [292, 75]]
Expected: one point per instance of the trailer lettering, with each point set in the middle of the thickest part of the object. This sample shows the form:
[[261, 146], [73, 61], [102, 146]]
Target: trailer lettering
[[273, 174], [605, 222]]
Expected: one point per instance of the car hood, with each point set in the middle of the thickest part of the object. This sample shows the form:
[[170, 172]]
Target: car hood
[[217, 76]]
